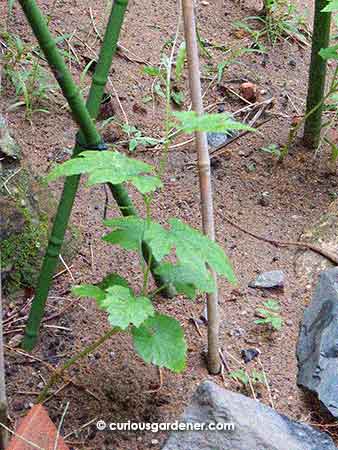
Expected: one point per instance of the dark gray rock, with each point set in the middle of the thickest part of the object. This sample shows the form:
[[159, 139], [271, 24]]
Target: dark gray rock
[[317, 350], [266, 280], [256, 426]]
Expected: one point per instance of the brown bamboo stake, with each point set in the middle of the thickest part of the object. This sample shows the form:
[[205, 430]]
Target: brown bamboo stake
[[214, 364], [3, 397]]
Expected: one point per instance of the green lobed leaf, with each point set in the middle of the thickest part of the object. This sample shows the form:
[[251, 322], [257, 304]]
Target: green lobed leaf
[[124, 308], [160, 341], [129, 232], [108, 167], [190, 122], [195, 249], [89, 290], [187, 280]]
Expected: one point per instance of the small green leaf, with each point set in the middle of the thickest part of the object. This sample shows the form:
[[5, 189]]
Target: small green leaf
[[330, 52], [124, 309], [257, 377], [89, 290], [106, 167], [177, 97], [129, 232], [272, 304], [187, 280], [190, 122], [240, 375], [276, 322], [158, 90], [146, 184], [152, 71], [195, 249], [261, 321], [160, 341], [113, 279], [331, 7]]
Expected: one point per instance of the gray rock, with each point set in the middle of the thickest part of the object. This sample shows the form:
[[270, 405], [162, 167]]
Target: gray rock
[[8, 147], [317, 350], [217, 139], [256, 426], [273, 279], [264, 199]]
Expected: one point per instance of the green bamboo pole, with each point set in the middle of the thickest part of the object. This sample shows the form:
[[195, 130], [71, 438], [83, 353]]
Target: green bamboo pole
[[317, 75], [88, 136]]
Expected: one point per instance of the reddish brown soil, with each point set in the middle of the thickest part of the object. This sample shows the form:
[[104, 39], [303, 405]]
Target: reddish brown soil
[[114, 384]]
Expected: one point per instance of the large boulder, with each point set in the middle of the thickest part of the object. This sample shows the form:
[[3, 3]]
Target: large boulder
[[26, 210], [317, 350], [256, 426]]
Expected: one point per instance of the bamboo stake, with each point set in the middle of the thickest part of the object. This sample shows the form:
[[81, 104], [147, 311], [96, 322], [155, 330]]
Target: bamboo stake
[[317, 75], [3, 397], [88, 137], [214, 364]]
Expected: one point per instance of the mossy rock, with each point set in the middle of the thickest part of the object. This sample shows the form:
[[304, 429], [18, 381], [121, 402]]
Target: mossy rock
[[26, 211]]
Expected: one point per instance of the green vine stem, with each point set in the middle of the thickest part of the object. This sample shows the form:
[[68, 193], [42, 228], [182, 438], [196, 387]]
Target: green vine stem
[[317, 75], [294, 130], [59, 373]]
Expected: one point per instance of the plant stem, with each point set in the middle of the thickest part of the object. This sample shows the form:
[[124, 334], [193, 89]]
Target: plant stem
[[85, 352], [317, 75], [204, 177]]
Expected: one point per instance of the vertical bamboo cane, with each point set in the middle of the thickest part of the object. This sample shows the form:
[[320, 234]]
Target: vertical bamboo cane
[[3, 397], [317, 75], [204, 176]]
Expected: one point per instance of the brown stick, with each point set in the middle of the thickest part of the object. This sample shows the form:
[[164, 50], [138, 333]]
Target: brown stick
[[214, 364], [305, 245]]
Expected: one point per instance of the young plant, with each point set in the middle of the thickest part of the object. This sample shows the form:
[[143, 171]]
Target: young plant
[[157, 338], [232, 57], [23, 70], [160, 77], [270, 316], [273, 150], [279, 20], [136, 138], [244, 377]]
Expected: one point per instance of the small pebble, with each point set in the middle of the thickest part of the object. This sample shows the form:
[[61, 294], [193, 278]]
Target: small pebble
[[18, 405], [264, 199]]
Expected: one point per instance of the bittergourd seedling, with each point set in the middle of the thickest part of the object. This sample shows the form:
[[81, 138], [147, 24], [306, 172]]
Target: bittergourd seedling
[[270, 315], [157, 338]]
